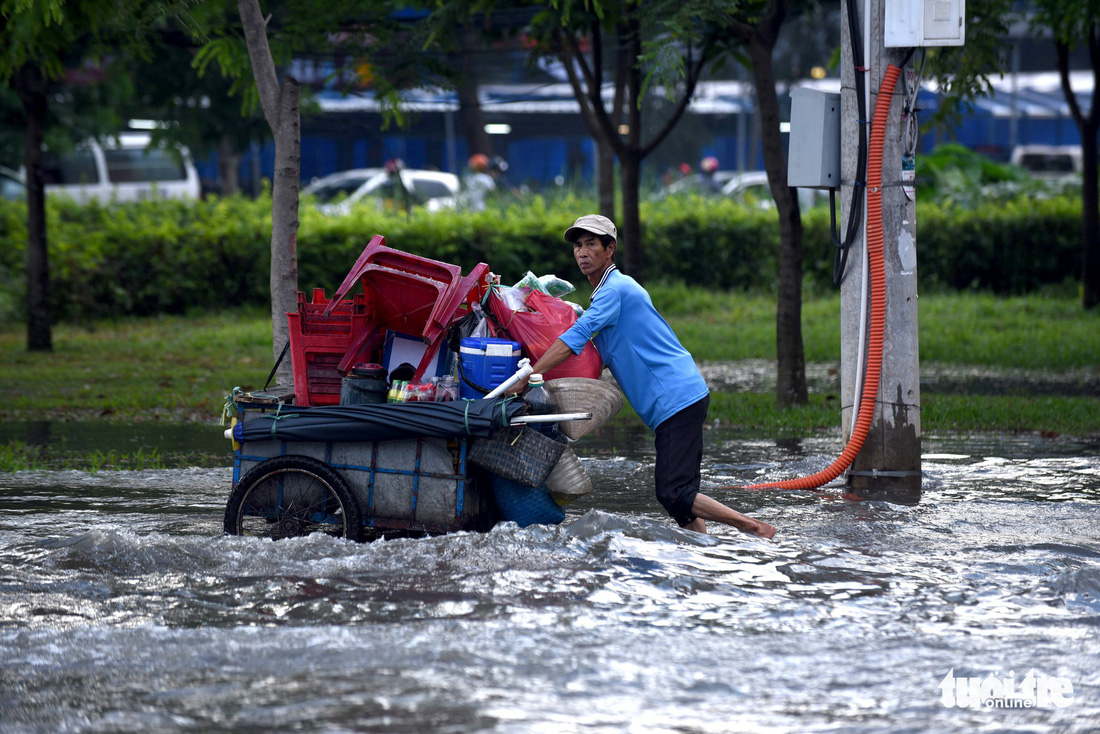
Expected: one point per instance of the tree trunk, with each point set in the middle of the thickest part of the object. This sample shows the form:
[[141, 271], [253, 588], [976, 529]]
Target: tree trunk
[[32, 90], [284, 222], [1088, 125], [605, 177], [1090, 219], [630, 226], [625, 144], [229, 165], [470, 116], [790, 379], [281, 110], [630, 157]]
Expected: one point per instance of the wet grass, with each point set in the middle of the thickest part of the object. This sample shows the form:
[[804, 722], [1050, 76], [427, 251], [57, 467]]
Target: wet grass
[[19, 456], [1032, 332], [1049, 415], [176, 369], [166, 368]]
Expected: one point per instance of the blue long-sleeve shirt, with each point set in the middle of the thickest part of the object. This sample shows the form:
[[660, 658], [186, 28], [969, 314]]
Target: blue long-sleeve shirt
[[654, 371]]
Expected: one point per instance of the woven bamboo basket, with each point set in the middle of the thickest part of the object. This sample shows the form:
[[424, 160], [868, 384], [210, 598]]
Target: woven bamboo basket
[[521, 455], [568, 480], [582, 395]]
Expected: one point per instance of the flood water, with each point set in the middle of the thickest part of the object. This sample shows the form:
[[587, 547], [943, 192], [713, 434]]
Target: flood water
[[123, 608]]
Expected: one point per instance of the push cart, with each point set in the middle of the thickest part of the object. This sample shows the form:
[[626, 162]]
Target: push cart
[[310, 462], [364, 471]]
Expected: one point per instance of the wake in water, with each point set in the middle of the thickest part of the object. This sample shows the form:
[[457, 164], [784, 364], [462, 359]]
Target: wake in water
[[124, 608]]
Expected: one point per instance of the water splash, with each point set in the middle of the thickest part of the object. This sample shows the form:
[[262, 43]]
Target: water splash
[[123, 608]]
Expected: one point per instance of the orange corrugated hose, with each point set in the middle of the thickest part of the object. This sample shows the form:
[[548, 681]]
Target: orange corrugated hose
[[877, 266]]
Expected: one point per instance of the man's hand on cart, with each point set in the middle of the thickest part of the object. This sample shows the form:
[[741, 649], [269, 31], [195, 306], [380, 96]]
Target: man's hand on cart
[[515, 383]]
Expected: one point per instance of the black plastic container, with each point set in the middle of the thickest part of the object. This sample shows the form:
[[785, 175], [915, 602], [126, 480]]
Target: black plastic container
[[365, 384]]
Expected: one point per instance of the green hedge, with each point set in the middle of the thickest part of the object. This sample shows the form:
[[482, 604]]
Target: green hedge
[[1007, 247], [173, 257]]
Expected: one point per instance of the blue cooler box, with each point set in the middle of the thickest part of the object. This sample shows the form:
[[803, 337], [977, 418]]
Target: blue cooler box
[[486, 362]]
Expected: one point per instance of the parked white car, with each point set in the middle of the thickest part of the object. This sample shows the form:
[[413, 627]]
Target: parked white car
[[1049, 161], [752, 186], [126, 168], [697, 183], [344, 183], [432, 189]]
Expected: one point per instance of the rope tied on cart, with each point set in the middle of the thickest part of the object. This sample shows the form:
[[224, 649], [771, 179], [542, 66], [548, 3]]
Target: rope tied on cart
[[488, 311], [502, 403], [280, 415], [229, 408], [466, 414]]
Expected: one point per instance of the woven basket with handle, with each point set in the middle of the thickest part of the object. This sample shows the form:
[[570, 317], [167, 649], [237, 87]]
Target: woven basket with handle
[[582, 395]]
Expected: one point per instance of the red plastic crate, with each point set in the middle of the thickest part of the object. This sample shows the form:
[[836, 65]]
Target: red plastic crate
[[318, 341]]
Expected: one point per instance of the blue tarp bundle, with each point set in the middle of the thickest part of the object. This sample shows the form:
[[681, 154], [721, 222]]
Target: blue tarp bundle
[[385, 422]]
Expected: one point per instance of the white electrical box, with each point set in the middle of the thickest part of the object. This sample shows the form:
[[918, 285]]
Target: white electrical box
[[922, 23], [813, 156]]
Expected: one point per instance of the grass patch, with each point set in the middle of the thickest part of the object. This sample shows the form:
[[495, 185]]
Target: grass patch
[[1032, 332], [728, 327], [756, 411], [18, 456], [166, 368], [1050, 415], [181, 368]]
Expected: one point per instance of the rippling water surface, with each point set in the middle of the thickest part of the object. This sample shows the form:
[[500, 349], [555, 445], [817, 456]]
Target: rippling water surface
[[124, 609]]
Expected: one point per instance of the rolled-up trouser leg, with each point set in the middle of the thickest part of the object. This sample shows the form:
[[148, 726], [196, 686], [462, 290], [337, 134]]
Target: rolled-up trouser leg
[[679, 445]]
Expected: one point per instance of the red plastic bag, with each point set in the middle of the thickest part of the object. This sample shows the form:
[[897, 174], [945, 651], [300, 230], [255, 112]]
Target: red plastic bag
[[540, 327]]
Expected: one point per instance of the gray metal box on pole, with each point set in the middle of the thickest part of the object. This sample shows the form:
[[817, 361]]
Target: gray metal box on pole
[[813, 158]]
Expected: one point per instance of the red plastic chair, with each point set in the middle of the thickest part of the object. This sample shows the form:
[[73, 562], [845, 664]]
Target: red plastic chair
[[376, 253], [407, 293], [403, 302]]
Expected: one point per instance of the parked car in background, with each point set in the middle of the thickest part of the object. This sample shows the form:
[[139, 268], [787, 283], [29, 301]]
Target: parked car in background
[[12, 187], [751, 187], [344, 183], [696, 183], [433, 190], [1049, 161], [123, 168]]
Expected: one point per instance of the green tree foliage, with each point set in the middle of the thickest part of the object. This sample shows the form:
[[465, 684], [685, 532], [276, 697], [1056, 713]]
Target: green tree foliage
[[42, 41], [964, 72]]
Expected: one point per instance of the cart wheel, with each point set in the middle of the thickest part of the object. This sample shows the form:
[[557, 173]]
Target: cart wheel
[[291, 496]]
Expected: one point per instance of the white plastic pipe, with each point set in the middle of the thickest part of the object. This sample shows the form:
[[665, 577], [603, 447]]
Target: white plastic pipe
[[523, 372], [550, 418], [864, 306]]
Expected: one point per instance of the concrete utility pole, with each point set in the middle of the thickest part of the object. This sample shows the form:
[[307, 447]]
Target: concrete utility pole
[[889, 463]]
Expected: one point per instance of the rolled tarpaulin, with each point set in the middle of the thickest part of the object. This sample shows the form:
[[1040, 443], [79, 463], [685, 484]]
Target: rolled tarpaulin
[[385, 422]]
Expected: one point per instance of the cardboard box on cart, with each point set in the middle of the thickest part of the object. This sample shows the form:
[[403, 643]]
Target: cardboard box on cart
[[402, 349]]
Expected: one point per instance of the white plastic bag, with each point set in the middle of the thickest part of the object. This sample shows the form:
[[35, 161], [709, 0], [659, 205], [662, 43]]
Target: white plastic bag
[[513, 298], [481, 331]]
